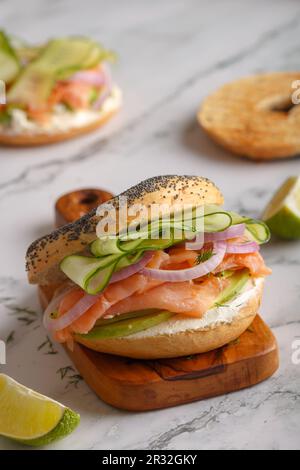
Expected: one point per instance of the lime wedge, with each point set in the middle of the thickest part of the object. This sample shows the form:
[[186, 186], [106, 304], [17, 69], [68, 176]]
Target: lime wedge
[[31, 418], [282, 214]]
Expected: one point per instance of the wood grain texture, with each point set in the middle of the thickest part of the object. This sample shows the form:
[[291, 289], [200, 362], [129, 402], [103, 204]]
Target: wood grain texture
[[139, 385], [146, 385]]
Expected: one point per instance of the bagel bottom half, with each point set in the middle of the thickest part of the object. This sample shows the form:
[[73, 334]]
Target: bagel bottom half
[[24, 140], [177, 344]]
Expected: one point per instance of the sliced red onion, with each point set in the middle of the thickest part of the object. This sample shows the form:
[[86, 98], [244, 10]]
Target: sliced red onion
[[107, 87], [231, 232], [180, 275], [91, 77], [88, 300], [53, 304], [248, 247], [133, 269], [195, 244], [82, 306], [100, 100]]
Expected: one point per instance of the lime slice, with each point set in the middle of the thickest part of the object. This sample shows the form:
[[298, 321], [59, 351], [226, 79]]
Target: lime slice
[[31, 418], [282, 214]]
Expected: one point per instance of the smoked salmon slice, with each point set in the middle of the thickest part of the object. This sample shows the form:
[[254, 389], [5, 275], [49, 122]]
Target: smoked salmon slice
[[252, 261], [138, 292], [180, 297]]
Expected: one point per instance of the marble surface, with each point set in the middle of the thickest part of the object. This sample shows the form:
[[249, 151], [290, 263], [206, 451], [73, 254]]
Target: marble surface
[[171, 55]]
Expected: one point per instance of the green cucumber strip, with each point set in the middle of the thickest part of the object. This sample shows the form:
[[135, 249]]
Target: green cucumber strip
[[9, 63], [32, 88], [57, 60], [237, 282], [99, 280], [127, 327], [24, 51], [105, 246], [114, 254], [65, 53], [258, 231], [156, 244], [213, 222], [80, 269], [217, 222], [128, 260], [130, 245]]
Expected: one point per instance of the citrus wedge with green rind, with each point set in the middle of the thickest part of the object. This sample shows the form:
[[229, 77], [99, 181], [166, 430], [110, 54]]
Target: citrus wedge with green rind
[[282, 214], [31, 418]]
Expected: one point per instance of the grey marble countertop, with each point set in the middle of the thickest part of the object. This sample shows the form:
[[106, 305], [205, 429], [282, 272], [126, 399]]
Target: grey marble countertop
[[171, 55]]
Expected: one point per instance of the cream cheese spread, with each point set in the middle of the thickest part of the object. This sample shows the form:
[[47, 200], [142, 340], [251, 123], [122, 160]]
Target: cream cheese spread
[[61, 120]]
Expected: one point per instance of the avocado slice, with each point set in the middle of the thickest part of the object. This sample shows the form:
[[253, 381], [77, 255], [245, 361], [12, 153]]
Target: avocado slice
[[127, 327], [237, 282], [125, 316]]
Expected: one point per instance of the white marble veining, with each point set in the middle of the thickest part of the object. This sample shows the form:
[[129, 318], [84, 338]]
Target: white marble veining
[[171, 54]]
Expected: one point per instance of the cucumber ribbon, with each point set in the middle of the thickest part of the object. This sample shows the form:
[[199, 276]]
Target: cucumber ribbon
[[9, 62], [57, 60], [110, 255]]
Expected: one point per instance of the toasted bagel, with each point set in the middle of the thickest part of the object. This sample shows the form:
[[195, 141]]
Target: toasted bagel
[[255, 116], [31, 139]]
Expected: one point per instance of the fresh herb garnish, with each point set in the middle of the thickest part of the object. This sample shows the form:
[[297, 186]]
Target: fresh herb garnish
[[67, 373], [50, 348], [74, 380], [5, 118], [63, 371], [10, 337], [24, 315], [204, 256]]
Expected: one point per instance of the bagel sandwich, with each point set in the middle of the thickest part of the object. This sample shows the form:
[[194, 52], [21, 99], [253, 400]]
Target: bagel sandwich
[[158, 287], [54, 91]]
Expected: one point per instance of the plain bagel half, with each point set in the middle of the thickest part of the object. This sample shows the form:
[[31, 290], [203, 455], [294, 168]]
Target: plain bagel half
[[255, 116], [31, 139]]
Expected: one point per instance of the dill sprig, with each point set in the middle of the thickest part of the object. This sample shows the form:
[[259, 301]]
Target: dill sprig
[[68, 374], [23, 314], [74, 380], [50, 348], [10, 338], [204, 256], [63, 371]]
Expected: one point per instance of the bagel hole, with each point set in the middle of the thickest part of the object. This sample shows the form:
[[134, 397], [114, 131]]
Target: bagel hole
[[282, 105], [89, 198], [277, 104]]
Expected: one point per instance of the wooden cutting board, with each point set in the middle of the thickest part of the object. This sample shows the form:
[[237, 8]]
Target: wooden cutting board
[[140, 385]]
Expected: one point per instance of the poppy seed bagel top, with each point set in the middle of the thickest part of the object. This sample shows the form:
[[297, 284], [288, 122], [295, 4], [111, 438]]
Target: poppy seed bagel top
[[45, 254]]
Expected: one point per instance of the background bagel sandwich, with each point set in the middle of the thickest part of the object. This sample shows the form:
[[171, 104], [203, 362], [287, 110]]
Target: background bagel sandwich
[[55, 91]]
